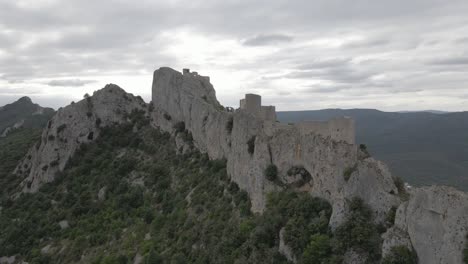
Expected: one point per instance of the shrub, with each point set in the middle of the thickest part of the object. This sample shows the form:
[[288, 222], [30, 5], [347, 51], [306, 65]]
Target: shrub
[[167, 116], [98, 122], [400, 255], [299, 170], [465, 251], [251, 145], [179, 127], [349, 171], [54, 163], [51, 137], [358, 231], [61, 128], [230, 125], [390, 219], [400, 185], [318, 250], [364, 150], [271, 172]]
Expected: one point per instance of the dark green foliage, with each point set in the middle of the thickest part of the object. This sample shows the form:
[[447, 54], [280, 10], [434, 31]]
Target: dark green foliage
[[51, 137], [251, 145], [364, 150], [167, 117], [26, 111], [150, 107], [400, 184], [390, 219], [302, 172], [271, 172], [153, 258], [179, 127], [465, 251], [61, 128], [349, 171], [188, 205], [230, 125], [318, 250], [12, 149], [358, 232], [400, 255]]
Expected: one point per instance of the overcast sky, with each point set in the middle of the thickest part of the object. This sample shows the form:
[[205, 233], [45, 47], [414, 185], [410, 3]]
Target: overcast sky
[[391, 55]]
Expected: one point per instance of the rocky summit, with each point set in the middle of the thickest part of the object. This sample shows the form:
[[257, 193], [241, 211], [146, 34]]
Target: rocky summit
[[264, 156]]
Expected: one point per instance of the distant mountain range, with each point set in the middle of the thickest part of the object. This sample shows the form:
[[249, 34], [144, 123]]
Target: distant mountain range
[[424, 148], [23, 114]]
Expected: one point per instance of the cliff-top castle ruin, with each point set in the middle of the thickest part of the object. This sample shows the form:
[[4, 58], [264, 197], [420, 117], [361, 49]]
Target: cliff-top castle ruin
[[320, 158]]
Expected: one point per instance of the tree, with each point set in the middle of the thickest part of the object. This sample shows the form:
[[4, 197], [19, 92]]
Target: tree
[[400, 255], [318, 250], [271, 172], [153, 258]]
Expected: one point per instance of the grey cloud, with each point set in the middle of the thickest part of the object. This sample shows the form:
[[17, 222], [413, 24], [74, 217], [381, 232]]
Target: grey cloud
[[264, 40], [451, 61], [59, 39], [325, 63], [70, 82]]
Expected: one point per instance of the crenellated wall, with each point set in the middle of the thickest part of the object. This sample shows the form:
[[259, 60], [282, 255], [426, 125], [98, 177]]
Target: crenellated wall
[[338, 129]]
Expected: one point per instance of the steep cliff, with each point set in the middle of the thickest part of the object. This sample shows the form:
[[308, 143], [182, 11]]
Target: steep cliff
[[251, 144], [434, 222], [70, 127]]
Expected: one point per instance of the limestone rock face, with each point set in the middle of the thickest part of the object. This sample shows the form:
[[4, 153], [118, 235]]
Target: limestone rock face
[[220, 133], [436, 221], [70, 127]]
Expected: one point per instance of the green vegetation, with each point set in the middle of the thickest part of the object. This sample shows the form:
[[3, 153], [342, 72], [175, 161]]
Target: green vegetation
[[302, 172], [130, 193], [12, 149], [167, 116], [358, 232], [364, 150], [271, 172], [251, 145], [349, 171], [400, 185], [179, 127], [400, 255], [26, 112], [185, 204], [465, 251], [230, 125]]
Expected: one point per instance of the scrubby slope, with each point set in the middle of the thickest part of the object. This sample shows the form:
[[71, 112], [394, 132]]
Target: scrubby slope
[[130, 196]]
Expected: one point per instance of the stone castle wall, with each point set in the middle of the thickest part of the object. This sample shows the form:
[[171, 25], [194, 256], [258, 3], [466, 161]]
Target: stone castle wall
[[338, 129], [189, 99]]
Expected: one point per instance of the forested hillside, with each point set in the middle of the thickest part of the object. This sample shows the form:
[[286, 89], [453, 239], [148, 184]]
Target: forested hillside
[[130, 198]]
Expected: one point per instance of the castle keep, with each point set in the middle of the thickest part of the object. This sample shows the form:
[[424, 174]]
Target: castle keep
[[338, 129]]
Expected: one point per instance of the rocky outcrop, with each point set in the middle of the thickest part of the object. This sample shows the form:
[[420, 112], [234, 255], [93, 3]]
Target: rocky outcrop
[[70, 127], [435, 220], [250, 144], [23, 114]]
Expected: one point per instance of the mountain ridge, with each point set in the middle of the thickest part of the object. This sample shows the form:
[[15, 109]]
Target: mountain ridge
[[261, 157]]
